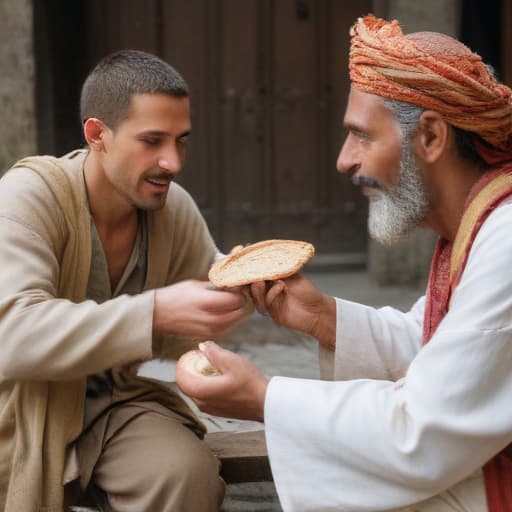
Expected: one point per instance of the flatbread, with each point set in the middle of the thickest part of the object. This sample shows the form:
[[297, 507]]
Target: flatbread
[[263, 261]]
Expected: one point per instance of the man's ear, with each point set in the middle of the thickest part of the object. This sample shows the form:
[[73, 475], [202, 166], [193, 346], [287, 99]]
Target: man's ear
[[94, 133], [432, 136]]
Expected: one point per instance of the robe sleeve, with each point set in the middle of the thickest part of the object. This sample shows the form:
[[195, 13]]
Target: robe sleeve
[[376, 343], [369, 445], [42, 336]]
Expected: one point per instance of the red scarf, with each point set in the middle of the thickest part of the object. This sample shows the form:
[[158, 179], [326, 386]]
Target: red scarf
[[446, 269]]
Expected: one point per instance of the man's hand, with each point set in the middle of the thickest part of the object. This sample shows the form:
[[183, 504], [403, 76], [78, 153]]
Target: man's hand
[[194, 308], [238, 392], [298, 304]]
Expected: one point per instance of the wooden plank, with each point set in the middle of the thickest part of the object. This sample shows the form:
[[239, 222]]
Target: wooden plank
[[243, 455], [130, 27], [243, 116], [189, 43], [296, 26], [342, 222]]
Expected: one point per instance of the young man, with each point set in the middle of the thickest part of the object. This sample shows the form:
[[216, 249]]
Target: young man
[[419, 415], [103, 264]]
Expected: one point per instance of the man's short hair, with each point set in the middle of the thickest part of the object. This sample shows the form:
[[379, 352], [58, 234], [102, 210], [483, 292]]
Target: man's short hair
[[108, 90]]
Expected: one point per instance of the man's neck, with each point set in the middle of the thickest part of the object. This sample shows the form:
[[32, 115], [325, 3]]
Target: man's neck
[[449, 185], [111, 212]]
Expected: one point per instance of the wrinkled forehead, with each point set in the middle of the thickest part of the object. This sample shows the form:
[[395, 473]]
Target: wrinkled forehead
[[365, 110]]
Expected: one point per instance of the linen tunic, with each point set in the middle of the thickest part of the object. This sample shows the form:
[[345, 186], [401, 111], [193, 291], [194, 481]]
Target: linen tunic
[[408, 421], [52, 338]]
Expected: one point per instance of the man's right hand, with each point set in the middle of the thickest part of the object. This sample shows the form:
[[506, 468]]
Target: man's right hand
[[296, 303], [194, 308]]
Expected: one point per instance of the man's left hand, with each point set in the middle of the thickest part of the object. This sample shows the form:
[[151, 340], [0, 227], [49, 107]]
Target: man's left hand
[[238, 392]]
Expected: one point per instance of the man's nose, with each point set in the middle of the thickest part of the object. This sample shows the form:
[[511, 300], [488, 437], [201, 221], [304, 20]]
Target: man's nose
[[347, 158], [171, 160]]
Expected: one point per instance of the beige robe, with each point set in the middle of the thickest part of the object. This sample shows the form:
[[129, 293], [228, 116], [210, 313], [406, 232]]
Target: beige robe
[[51, 337]]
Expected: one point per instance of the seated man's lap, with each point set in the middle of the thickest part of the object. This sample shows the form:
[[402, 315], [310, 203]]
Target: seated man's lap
[[151, 460]]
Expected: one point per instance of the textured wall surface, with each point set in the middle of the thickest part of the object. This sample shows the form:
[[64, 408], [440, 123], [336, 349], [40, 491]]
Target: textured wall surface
[[17, 70], [435, 15]]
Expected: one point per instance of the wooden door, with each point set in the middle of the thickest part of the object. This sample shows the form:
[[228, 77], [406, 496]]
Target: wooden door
[[268, 83]]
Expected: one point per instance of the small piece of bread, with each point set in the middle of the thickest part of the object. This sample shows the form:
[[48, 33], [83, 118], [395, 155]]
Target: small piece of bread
[[263, 261], [196, 362]]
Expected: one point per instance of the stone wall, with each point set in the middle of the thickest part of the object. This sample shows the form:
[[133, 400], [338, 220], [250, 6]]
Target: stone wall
[[408, 262], [17, 71]]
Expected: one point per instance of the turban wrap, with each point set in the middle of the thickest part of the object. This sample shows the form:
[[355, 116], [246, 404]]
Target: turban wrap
[[433, 71]]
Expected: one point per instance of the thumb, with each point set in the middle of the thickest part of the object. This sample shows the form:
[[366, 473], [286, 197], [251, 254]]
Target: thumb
[[219, 357]]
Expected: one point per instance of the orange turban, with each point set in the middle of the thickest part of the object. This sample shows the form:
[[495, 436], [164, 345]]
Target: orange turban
[[433, 71]]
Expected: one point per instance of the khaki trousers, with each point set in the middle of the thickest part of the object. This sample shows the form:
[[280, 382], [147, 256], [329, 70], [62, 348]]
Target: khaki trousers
[[150, 461], [466, 496]]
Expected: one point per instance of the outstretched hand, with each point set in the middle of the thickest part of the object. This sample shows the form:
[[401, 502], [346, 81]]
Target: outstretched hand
[[296, 303], [195, 308], [238, 392]]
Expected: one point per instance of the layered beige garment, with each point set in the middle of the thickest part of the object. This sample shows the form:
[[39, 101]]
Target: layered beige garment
[[51, 338]]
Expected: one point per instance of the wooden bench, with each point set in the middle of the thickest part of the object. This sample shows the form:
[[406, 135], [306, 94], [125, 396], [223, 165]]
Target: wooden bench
[[243, 455]]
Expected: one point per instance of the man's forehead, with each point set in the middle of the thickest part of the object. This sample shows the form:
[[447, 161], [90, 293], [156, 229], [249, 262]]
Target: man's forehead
[[149, 101], [364, 106]]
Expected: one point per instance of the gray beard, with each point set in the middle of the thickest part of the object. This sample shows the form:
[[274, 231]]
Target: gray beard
[[395, 212]]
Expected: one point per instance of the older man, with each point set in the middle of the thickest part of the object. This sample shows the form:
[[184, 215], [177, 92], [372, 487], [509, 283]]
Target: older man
[[422, 417]]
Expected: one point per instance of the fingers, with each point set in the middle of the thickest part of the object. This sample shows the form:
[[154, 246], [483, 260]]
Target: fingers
[[236, 248], [238, 392], [200, 386], [217, 323], [274, 293], [227, 300], [219, 357], [258, 291]]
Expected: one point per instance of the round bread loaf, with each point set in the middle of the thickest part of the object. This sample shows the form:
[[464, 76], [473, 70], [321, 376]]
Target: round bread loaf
[[196, 362], [263, 261]]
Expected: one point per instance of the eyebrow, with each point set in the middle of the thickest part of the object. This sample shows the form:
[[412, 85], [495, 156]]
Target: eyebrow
[[350, 125], [158, 133]]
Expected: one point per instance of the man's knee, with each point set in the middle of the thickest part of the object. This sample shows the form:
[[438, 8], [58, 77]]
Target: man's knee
[[191, 462], [156, 463], [189, 475]]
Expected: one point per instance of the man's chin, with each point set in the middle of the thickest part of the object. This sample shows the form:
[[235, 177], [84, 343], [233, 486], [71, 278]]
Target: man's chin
[[151, 205]]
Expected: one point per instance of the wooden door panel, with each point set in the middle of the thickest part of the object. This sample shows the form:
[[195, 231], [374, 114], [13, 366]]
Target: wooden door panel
[[185, 45], [243, 85], [122, 24], [342, 220], [295, 110]]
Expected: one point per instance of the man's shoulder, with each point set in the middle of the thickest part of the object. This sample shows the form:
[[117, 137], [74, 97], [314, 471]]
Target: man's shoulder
[[70, 162], [43, 165], [50, 182]]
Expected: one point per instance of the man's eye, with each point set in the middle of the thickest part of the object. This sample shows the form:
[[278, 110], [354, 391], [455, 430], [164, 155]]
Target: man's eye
[[359, 134], [183, 141], [151, 142]]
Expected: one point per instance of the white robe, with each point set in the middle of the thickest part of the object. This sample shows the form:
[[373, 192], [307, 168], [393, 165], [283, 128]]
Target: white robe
[[371, 442]]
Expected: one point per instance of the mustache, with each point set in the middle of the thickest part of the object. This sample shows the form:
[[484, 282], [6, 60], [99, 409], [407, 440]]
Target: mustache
[[365, 181], [160, 175]]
